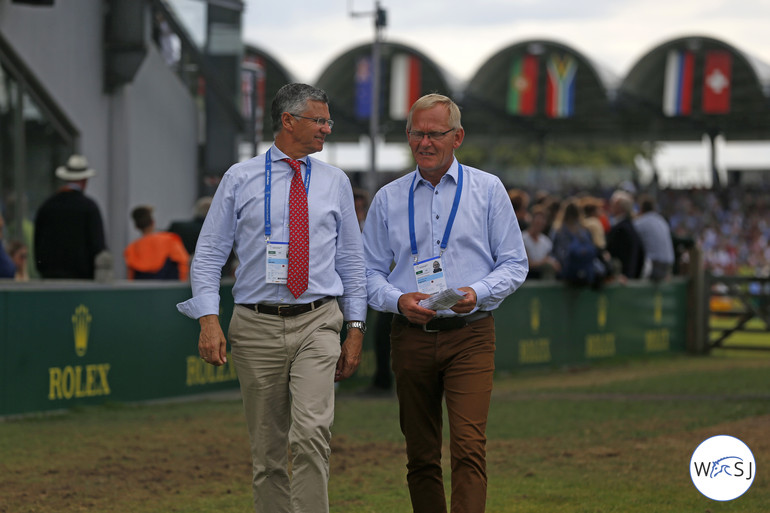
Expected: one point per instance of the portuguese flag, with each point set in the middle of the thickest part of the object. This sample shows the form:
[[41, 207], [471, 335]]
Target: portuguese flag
[[522, 86]]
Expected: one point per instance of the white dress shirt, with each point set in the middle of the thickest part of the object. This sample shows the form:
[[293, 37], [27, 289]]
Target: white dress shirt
[[236, 220], [485, 249]]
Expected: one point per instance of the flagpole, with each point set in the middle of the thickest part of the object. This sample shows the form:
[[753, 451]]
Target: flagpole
[[715, 179], [374, 114], [374, 118]]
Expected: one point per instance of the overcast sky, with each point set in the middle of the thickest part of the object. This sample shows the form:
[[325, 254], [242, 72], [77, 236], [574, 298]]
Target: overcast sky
[[459, 35]]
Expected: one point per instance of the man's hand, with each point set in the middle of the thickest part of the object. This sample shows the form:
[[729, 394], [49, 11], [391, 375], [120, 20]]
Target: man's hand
[[408, 305], [468, 303], [351, 354], [212, 344]]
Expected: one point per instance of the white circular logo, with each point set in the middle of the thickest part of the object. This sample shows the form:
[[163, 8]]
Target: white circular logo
[[722, 468]]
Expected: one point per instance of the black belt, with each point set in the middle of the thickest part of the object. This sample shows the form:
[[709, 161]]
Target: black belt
[[285, 310], [445, 323]]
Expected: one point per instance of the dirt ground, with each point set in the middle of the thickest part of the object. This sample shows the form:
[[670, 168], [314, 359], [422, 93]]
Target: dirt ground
[[167, 458], [138, 471]]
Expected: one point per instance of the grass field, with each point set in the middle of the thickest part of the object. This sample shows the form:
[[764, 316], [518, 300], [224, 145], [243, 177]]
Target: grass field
[[613, 437]]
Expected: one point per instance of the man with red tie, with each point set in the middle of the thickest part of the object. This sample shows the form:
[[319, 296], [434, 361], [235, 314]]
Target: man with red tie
[[292, 223]]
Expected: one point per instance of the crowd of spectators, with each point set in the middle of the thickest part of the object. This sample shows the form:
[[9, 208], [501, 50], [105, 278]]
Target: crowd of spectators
[[731, 226]]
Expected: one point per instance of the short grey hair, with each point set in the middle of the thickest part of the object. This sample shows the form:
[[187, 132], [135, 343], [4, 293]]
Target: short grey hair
[[623, 200], [431, 100], [293, 98]]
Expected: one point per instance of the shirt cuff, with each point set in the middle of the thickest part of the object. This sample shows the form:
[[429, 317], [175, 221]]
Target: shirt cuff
[[198, 306], [391, 301], [482, 293], [353, 309]]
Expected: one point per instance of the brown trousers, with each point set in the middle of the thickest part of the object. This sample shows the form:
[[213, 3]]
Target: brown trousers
[[458, 365]]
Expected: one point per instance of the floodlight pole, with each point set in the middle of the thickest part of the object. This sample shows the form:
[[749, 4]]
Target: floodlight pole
[[715, 179], [380, 20]]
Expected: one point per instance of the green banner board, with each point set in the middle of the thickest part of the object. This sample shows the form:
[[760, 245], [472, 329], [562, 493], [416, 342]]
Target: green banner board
[[73, 345], [64, 347]]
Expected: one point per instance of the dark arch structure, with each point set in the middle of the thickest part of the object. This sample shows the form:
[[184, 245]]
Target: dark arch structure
[[406, 74], [695, 85], [542, 90], [539, 88], [261, 78]]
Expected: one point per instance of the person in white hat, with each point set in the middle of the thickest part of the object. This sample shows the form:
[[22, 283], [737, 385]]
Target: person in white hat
[[69, 232]]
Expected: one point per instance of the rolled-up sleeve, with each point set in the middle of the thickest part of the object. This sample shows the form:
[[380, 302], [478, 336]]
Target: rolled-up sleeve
[[211, 252], [383, 296], [507, 250], [349, 258]]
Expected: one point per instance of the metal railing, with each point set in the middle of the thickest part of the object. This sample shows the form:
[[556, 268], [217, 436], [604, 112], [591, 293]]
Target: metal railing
[[745, 303]]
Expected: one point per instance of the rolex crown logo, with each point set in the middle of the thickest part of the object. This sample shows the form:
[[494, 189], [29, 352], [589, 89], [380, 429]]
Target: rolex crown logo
[[658, 312], [601, 314], [534, 315], [81, 325]]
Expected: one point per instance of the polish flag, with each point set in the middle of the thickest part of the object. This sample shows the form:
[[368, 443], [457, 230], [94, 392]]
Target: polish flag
[[716, 82], [405, 84]]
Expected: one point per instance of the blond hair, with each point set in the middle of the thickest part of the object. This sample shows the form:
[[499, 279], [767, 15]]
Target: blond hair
[[431, 100]]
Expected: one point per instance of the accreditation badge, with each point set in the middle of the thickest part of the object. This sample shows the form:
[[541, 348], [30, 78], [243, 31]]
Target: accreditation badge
[[277, 258], [430, 275]]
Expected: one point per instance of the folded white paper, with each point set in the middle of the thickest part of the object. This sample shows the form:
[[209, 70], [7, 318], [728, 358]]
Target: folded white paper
[[442, 300]]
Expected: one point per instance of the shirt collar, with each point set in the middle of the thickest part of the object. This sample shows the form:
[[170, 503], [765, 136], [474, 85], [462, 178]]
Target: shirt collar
[[451, 172], [276, 155]]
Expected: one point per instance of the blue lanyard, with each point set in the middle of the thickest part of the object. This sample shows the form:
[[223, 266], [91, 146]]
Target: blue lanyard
[[268, 181], [452, 214]]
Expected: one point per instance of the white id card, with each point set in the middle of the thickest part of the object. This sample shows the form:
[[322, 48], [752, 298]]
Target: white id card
[[430, 276], [277, 258]]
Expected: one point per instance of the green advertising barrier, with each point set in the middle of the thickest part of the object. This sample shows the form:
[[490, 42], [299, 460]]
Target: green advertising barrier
[[549, 324], [80, 344]]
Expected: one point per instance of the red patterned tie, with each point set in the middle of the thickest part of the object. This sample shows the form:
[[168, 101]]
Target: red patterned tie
[[298, 233]]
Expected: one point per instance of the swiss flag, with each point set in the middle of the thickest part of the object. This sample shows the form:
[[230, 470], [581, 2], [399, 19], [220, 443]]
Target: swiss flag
[[717, 78]]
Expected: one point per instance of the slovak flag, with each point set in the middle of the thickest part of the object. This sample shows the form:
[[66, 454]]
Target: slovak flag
[[717, 77], [405, 84], [678, 83]]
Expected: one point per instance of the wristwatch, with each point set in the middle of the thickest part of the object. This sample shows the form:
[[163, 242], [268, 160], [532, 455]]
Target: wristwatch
[[357, 324]]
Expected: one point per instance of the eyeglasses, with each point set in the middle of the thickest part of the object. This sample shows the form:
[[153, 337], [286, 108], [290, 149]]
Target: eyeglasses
[[416, 135], [318, 121]]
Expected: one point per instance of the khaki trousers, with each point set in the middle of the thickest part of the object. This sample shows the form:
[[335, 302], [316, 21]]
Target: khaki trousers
[[286, 370], [458, 365]]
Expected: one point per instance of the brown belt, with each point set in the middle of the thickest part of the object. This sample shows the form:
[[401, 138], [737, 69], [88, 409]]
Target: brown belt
[[285, 310], [444, 323]]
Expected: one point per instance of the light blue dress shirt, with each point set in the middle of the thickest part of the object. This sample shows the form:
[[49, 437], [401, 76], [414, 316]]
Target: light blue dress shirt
[[236, 221], [485, 250]]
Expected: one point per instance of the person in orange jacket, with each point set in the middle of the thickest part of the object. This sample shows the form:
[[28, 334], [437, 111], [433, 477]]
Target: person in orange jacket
[[156, 255]]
